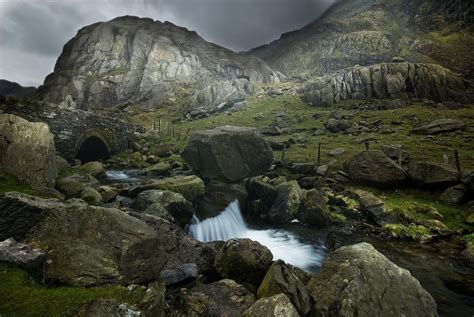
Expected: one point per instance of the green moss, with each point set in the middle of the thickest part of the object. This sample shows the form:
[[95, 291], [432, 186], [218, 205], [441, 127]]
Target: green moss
[[9, 183], [411, 231], [22, 295], [469, 238], [335, 217]]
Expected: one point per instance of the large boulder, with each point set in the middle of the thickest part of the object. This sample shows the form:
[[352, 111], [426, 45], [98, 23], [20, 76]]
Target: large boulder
[[191, 186], [275, 306], [374, 168], [85, 245], [358, 280], [27, 151], [222, 298], [440, 126], [243, 260], [228, 153], [166, 204], [286, 204], [427, 173], [281, 279]]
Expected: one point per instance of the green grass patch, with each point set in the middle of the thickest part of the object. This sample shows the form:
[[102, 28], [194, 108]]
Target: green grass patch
[[21, 294]]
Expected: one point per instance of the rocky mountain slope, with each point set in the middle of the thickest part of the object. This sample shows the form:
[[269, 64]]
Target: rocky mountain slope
[[12, 89], [365, 32], [137, 61]]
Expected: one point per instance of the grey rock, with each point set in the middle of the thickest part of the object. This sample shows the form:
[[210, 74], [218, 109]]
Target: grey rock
[[373, 206], [275, 306], [228, 153], [21, 254], [396, 153], [286, 204], [183, 273], [440, 126], [337, 152], [428, 173], [337, 125], [454, 194], [314, 210], [358, 280]]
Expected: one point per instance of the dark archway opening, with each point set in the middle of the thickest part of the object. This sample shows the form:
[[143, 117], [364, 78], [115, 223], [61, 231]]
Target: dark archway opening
[[93, 149]]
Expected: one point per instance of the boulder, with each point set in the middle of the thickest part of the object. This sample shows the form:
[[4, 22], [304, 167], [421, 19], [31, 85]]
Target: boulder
[[281, 279], [86, 245], [286, 204], [259, 188], [108, 193], [73, 185], [374, 168], [91, 196], [373, 206], [161, 168], [222, 298], [96, 169], [218, 196], [358, 280], [454, 195], [396, 153], [27, 151], [165, 203], [62, 164], [183, 273], [228, 153], [243, 260], [440, 126], [191, 187], [313, 210], [432, 174], [21, 254], [275, 306], [337, 125]]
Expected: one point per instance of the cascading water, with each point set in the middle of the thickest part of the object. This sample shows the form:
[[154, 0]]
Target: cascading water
[[283, 244], [122, 176]]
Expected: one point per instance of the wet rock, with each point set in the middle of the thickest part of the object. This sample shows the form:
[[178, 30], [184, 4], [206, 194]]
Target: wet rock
[[183, 273], [222, 298], [243, 260], [259, 188], [21, 254], [358, 280], [286, 204], [313, 210], [228, 153], [454, 195], [274, 306], [440, 126], [374, 168], [73, 185], [27, 151], [218, 196], [164, 203], [96, 169], [280, 279], [427, 173]]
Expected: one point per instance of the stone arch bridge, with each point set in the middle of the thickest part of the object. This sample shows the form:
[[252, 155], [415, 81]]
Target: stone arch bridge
[[80, 134]]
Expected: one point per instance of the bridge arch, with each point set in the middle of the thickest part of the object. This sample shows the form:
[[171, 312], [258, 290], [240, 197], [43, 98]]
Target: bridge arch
[[94, 145]]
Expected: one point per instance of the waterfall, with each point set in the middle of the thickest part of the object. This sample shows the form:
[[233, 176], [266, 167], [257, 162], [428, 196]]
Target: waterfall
[[283, 244]]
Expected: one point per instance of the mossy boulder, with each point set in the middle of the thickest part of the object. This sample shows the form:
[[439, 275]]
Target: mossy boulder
[[432, 174], [91, 196], [286, 204], [275, 306], [281, 279], [314, 210], [243, 260], [161, 168], [96, 169], [358, 280], [73, 185]]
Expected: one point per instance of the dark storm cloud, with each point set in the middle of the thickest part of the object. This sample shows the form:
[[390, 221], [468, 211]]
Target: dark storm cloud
[[32, 32]]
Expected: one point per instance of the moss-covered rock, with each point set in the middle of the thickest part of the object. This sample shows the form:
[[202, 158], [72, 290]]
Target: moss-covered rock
[[91, 196], [73, 185], [286, 204], [274, 306], [243, 260], [313, 210]]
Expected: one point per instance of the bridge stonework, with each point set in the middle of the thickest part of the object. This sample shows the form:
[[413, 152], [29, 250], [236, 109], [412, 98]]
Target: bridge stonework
[[72, 127]]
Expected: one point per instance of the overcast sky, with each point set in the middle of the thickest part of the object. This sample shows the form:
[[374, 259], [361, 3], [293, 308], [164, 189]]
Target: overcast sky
[[33, 32]]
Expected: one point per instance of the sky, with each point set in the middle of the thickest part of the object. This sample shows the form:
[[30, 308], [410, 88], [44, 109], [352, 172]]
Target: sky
[[33, 32]]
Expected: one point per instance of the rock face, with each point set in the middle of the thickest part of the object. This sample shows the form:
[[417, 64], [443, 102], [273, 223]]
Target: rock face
[[228, 153], [361, 33], [388, 81], [275, 306], [86, 245], [374, 168], [131, 60], [243, 260], [358, 280], [27, 151]]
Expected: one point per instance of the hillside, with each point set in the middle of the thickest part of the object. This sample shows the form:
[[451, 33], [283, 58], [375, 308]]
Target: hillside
[[365, 32], [12, 89]]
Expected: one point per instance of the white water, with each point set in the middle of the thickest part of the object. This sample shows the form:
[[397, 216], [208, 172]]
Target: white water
[[121, 176], [283, 244]]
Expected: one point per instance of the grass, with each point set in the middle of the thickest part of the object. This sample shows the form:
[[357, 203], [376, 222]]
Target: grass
[[21, 294], [9, 183]]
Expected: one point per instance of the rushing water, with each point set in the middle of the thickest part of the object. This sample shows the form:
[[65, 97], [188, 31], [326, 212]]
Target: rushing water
[[283, 244], [122, 176]]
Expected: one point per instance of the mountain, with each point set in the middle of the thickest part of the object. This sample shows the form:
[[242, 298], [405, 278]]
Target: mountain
[[12, 89], [132, 61], [365, 32]]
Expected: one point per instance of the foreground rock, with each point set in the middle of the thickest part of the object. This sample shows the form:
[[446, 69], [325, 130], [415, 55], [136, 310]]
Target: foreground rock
[[21, 254], [243, 260], [27, 151], [222, 298], [228, 153], [374, 168], [86, 245], [275, 306], [281, 279], [440, 126], [358, 280]]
